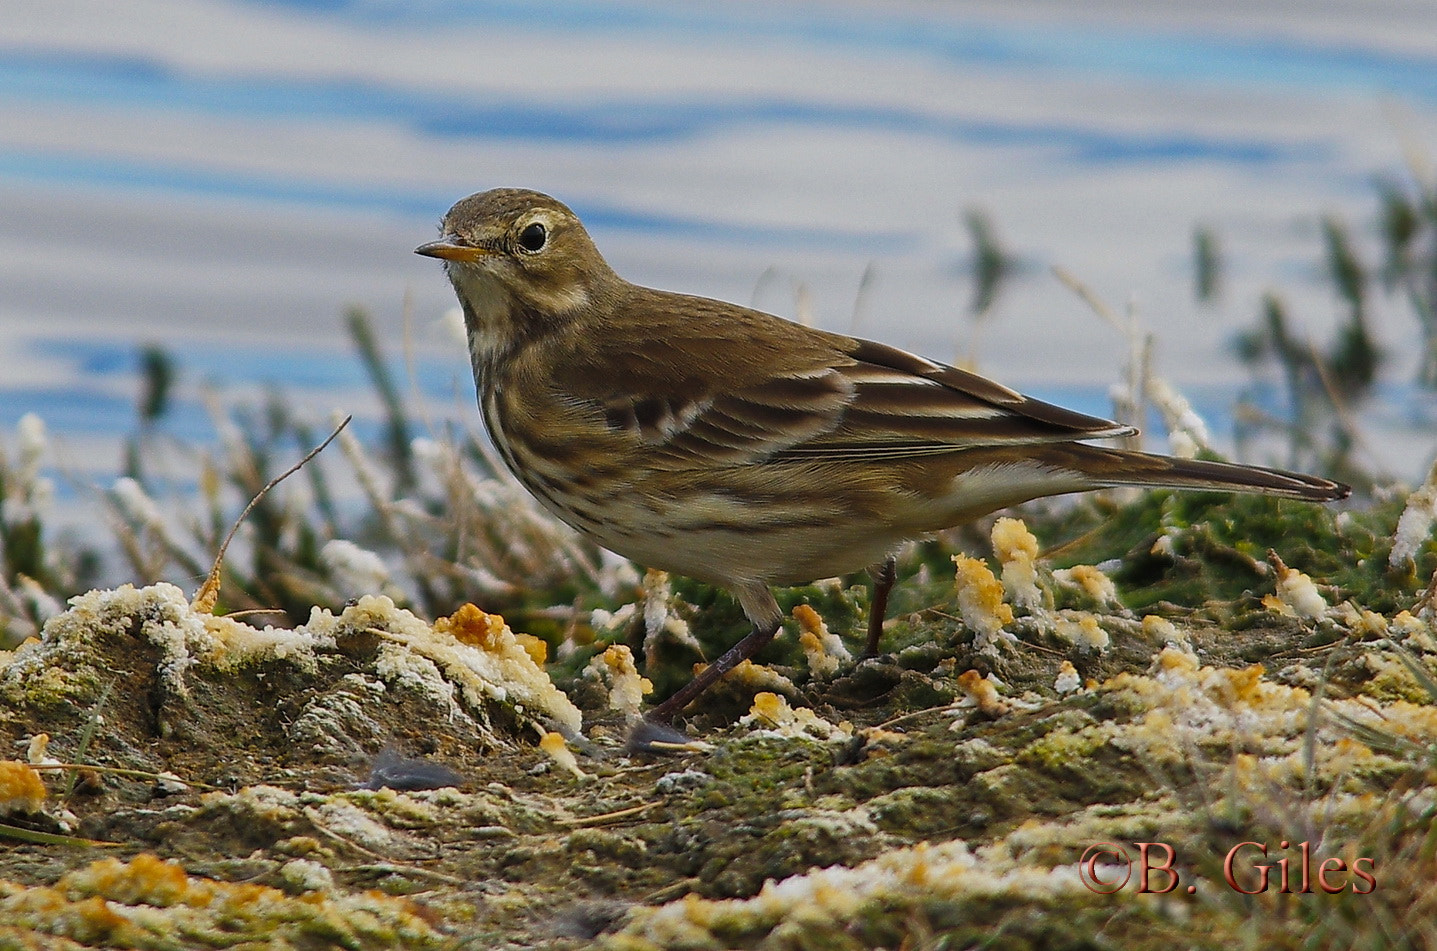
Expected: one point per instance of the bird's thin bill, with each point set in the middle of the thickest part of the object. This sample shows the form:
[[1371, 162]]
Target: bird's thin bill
[[450, 251]]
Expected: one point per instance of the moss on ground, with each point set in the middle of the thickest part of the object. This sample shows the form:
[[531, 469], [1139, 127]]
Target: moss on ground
[[942, 821]]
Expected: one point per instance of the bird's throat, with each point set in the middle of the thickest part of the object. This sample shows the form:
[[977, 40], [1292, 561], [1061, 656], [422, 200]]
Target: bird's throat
[[491, 317], [498, 322]]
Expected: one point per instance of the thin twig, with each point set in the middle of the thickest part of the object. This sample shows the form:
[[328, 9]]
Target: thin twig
[[964, 704], [36, 837], [608, 816], [409, 871], [1090, 298], [122, 771], [1339, 408], [209, 593]]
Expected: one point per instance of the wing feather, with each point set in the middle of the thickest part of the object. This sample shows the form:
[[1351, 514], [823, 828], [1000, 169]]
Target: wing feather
[[694, 400], [904, 405]]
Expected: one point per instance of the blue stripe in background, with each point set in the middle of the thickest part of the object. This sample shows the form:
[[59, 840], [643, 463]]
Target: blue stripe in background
[[129, 82], [138, 83], [1120, 51]]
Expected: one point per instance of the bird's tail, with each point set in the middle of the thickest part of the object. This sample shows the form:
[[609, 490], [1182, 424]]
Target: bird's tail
[[1120, 467]]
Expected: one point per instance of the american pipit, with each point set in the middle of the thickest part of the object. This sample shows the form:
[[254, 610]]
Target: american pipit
[[740, 448]]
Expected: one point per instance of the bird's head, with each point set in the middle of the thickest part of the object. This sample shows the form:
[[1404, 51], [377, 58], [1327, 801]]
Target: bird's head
[[511, 250]]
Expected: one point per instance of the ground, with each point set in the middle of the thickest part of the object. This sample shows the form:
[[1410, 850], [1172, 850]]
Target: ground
[[256, 787]]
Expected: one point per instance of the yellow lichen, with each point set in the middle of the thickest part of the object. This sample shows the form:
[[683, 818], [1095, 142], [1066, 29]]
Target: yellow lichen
[[474, 626], [536, 647], [553, 744], [1068, 680], [1278, 606], [772, 713], [115, 904], [144, 880], [1163, 631], [1296, 591], [824, 650], [615, 668], [980, 600], [770, 707], [1414, 525], [982, 692], [484, 664], [1392, 679], [831, 897], [37, 750], [21, 788], [1414, 631], [1017, 551], [485, 657], [1186, 704], [1241, 686], [755, 677], [1091, 581], [1360, 621], [1176, 661], [1083, 630]]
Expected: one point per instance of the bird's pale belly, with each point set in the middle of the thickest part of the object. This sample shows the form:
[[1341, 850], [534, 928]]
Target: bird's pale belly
[[723, 537], [793, 555]]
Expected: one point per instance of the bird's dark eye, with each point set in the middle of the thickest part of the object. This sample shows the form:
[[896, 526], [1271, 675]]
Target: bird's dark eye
[[533, 237]]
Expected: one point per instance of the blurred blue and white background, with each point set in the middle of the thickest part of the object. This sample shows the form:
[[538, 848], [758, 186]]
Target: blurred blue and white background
[[224, 177]]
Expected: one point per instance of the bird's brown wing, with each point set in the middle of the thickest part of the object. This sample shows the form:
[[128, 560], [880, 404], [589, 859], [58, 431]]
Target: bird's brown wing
[[721, 419], [736, 387], [904, 405]]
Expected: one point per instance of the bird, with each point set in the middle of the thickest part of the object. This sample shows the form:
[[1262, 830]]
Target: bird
[[742, 449]]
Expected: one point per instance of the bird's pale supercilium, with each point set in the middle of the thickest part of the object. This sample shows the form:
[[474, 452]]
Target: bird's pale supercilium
[[742, 449]]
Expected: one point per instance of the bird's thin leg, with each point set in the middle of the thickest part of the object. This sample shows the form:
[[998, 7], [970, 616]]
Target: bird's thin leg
[[884, 576], [731, 658]]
